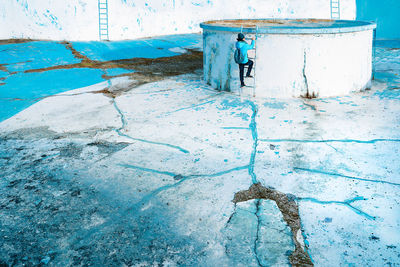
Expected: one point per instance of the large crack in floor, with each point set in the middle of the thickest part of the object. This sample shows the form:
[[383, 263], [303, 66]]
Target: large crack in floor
[[288, 209], [286, 204], [290, 212]]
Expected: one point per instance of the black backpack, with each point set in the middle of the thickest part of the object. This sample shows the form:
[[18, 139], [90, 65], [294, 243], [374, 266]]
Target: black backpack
[[239, 57]]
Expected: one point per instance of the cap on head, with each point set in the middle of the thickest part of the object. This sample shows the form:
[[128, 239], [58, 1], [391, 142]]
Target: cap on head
[[240, 37]]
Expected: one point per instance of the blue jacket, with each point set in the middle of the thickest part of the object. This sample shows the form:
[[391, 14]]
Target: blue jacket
[[244, 47]]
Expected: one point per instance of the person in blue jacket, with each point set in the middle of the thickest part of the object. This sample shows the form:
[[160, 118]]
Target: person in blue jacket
[[244, 47]]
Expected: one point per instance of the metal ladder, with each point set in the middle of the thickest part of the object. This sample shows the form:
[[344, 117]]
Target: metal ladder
[[254, 65], [103, 20], [335, 9]]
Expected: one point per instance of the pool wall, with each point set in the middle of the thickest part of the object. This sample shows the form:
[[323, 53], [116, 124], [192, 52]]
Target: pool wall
[[130, 19], [385, 15], [294, 64]]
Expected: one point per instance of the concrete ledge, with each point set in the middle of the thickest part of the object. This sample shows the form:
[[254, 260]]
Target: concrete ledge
[[288, 26]]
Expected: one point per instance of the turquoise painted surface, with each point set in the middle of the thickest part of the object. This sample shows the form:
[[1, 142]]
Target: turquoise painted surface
[[10, 107], [35, 55], [103, 51], [118, 71], [162, 46], [184, 40], [385, 13], [23, 89], [3, 74], [19, 90]]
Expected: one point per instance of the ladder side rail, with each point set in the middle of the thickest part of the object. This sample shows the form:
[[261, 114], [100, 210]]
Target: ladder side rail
[[99, 19]]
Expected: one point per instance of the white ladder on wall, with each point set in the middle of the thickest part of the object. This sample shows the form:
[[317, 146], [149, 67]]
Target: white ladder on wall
[[253, 56], [103, 20], [335, 9]]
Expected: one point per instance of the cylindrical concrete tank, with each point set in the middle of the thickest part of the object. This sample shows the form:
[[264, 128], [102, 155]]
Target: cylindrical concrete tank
[[293, 58]]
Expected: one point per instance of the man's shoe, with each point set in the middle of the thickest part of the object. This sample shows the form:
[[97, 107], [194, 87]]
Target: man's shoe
[[242, 85], [249, 76]]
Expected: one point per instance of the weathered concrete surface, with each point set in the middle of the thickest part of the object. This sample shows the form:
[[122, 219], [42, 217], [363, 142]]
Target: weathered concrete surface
[[149, 176]]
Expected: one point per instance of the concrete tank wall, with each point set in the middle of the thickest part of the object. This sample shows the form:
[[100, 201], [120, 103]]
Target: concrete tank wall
[[130, 19], [293, 65]]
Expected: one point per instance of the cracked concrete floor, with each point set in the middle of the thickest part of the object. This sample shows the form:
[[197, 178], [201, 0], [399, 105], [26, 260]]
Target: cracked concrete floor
[[174, 173]]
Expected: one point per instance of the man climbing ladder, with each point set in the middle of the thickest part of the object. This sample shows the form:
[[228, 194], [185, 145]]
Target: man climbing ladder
[[241, 57]]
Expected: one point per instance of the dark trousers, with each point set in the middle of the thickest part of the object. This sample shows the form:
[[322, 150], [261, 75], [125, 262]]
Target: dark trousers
[[241, 70]]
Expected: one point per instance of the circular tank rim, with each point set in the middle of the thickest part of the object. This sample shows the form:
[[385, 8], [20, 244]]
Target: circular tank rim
[[345, 26]]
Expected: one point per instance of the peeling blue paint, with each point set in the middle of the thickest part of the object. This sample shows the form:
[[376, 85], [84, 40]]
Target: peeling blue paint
[[275, 105]]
